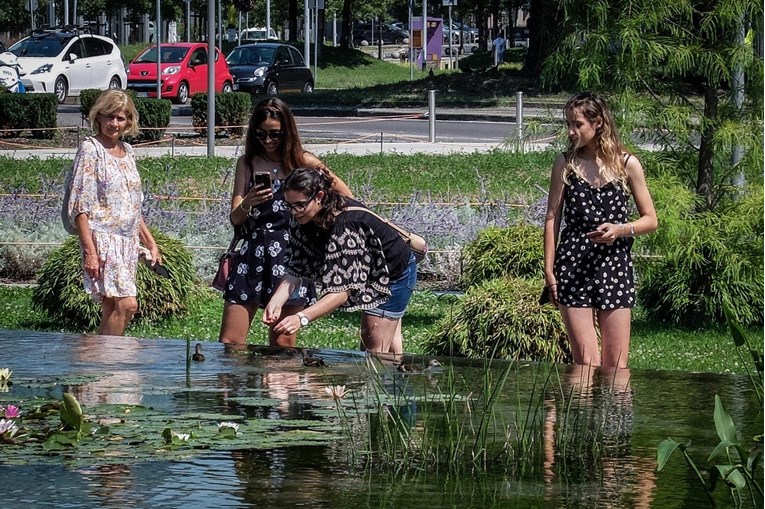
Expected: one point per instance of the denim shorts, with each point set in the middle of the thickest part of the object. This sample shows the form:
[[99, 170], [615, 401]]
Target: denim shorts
[[401, 291]]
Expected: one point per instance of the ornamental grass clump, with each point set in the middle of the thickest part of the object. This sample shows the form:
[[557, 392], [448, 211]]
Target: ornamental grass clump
[[502, 318], [60, 294]]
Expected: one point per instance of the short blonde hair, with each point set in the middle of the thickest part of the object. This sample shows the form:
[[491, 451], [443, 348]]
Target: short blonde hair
[[111, 102]]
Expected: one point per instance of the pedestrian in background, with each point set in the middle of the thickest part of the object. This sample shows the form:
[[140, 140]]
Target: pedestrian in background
[[261, 217], [105, 207], [499, 45], [588, 264]]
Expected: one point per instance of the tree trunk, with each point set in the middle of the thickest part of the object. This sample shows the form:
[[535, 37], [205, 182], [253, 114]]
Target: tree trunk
[[320, 30], [704, 183], [293, 20], [346, 41], [544, 24]]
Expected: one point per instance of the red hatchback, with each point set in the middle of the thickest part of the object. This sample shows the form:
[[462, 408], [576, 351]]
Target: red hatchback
[[184, 71]]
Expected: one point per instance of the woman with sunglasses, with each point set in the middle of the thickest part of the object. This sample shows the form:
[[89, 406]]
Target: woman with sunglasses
[[261, 218], [359, 262]]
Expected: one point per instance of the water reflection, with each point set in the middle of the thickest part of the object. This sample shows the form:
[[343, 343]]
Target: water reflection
[[588, 452], [599, 430]]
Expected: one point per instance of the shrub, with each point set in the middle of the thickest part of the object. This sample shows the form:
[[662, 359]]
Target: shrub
[[60, 293], [717, 260], [29, 111], [502, 318], [515, 250], [231, 109]]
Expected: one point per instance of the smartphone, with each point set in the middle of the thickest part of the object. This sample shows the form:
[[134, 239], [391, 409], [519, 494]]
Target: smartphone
[[594, 234], [263, 180]]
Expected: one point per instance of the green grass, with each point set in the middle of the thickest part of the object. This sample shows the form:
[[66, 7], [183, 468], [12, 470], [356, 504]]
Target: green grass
[[654, 346]]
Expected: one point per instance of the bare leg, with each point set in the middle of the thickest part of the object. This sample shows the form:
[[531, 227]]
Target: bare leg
[[615, 336], [116, 314], [284, 340], [580, 328], [397, 345], [235, 323], [377, 334]]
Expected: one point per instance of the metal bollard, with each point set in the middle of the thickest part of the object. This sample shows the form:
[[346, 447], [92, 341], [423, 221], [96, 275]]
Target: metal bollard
[[432, 115], [519, 117]]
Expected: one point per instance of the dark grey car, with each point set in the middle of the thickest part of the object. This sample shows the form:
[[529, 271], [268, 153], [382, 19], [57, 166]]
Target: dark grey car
[[269, 68]]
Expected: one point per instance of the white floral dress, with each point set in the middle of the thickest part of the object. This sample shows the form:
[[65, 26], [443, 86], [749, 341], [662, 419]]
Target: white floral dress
[[108, 190]]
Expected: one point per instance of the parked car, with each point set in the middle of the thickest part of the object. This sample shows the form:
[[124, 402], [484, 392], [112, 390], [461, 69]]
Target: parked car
[[269, 68], [65, 62], [390, 34], [184, 71], [257, 34]]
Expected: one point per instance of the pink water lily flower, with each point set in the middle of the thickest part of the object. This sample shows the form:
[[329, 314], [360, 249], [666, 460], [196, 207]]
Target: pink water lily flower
[[12, 411]]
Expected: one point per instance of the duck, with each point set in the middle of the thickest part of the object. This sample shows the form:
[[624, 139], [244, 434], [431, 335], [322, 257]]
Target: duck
[[432, 365], [317, 362], [197, 355]]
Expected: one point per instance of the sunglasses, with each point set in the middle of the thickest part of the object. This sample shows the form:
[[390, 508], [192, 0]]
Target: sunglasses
[[273, 135], [301, 205]]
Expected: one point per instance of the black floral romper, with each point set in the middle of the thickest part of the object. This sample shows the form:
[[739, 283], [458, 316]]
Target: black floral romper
[[592, 275], [260, 265]]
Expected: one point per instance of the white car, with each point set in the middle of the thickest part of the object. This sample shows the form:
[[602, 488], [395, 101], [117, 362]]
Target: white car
[[64, 63]]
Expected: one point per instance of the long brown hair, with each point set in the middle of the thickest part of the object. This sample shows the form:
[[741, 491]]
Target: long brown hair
[[290, 147], [310, 181], [608, 144]]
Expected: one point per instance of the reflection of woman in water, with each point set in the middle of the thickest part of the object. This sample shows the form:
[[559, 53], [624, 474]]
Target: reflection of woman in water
[[109, 357]]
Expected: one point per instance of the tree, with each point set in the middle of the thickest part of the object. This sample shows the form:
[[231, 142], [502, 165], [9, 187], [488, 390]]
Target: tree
[[670, 66]]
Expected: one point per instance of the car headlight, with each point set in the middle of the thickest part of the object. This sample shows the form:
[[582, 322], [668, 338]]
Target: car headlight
[[175, 69], [260, 71], [42, 69]]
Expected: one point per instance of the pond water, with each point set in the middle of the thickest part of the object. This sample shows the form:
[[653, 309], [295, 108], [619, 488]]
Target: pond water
[[546, 436]]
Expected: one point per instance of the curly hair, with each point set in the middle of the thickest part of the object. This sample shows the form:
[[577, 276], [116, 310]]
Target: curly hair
[[111, 102], [290, 147], [310, 181], [608, 144]]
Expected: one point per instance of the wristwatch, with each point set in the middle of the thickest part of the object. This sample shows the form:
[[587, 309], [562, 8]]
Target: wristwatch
[[304, 321]]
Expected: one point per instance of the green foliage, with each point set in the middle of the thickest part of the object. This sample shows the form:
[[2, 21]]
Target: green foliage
[[88, 98], [502, 318], [232, 110], [515, 250], [153, 117], [29, 111], [710, 260], [60, 293]]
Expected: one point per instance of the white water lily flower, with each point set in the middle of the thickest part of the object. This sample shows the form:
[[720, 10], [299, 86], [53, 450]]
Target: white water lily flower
[[5, 374], [8, 427], [226, 424], [336, 391], [183, 437]]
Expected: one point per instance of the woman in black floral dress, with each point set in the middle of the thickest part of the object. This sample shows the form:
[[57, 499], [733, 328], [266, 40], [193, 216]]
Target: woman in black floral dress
[[588, 266], [359, 262], [261, 218]]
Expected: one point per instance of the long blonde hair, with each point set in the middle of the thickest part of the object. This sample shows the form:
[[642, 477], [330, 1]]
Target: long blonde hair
[[608, 145]]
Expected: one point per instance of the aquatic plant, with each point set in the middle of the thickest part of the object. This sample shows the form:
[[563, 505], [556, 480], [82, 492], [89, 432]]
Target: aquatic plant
[[5, 374], [742, 466], [10, 411]]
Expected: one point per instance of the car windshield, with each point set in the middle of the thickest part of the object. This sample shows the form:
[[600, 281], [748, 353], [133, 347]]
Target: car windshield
[[45, 46], [256, 55], [169, 55]]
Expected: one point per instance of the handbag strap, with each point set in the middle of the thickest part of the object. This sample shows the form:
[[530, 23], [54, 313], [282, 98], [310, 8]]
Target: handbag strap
[[404, 233]]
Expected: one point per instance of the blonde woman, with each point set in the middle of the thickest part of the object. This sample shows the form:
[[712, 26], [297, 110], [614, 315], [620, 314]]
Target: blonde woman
[[588, 265], [105, 207]]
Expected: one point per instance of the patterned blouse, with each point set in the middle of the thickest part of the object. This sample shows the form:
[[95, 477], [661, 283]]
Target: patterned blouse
[[360, 253]]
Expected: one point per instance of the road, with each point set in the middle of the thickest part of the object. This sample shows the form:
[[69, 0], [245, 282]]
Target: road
[[403, 128]]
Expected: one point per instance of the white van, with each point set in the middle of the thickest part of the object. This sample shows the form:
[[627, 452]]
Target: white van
[[257, 34]]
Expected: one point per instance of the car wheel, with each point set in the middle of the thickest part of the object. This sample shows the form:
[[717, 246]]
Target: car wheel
[[272, 88], [183, 93], [308, 87], [398, 40], [61, 89], [227, 87], [115, 83]]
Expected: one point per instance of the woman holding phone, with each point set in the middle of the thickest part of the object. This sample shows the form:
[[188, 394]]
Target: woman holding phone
[[261, 218], [587, 264]]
